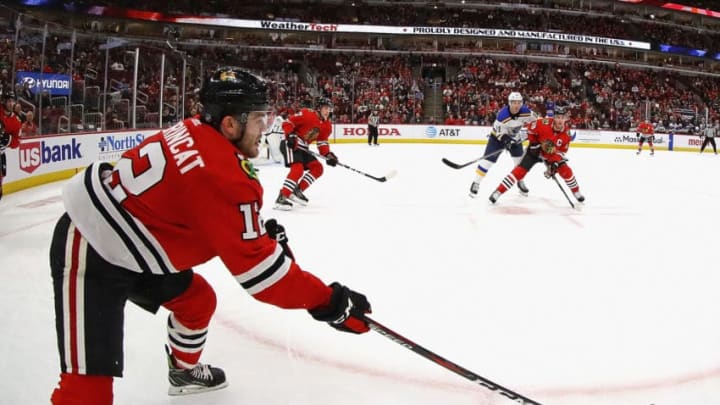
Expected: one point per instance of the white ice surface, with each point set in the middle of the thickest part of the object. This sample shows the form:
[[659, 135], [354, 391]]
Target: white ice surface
[[617, 304]]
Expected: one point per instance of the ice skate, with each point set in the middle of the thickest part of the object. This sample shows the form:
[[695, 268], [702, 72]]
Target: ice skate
[[298, 196], [523, 188], [579, 197], [282, 203], [474, 187], [494, 196], [652, 153], [201, 378]]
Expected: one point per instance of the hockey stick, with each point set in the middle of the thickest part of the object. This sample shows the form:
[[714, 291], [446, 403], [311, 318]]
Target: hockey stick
[[380, 179], [563, 191], [461, 165], [278, 233], [408, 344]]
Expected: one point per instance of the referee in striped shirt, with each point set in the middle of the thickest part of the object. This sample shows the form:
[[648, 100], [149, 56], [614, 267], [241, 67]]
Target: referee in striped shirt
[[373, 122], [709, 133]]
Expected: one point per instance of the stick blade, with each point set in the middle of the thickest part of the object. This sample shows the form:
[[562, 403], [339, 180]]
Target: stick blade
[[386, 177], [452, 164]]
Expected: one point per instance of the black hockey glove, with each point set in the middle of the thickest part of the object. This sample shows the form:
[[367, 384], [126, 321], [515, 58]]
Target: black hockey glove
[[292, 141], [552, 167], [331, 159], [345, 310], [4, 141], [507, 141], [277, 232]]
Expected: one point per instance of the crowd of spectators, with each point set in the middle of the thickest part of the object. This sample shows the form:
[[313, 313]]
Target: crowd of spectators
[[470, 90], [600, 96], [635, 23]]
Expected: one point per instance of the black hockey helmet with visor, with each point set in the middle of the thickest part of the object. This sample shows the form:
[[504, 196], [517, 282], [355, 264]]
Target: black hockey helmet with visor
[[233, 91]]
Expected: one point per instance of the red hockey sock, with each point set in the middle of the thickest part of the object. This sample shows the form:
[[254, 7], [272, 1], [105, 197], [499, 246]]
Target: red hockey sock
[[76, 389], [191, 313], [292, 179]]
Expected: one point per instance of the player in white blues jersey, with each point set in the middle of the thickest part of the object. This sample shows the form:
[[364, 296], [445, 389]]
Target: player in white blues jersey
[[508, 133]]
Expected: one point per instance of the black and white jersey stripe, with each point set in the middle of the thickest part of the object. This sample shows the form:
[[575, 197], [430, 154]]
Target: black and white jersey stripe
[[266, 273], [115, 234], [373, 120]]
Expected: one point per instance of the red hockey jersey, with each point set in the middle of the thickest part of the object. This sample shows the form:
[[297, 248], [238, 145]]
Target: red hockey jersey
[[645, 128], [542, 130], [182, 197], [11, 126], [309, 128]]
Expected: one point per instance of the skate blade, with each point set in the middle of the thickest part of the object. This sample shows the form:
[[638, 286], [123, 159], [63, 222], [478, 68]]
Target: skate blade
[[298, 201], [194, 389], [282, 207]]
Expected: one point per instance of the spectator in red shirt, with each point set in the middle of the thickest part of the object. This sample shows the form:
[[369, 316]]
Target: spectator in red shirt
[[29, 128]]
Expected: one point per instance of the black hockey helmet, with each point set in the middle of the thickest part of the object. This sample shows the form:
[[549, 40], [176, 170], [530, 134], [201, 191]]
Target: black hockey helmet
[[323, 101], [232, 91], [8, 95]]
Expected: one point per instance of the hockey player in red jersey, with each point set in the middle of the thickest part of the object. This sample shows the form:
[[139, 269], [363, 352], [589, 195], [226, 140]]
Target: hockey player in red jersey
[[9, 132], [133, 232], [548, 142], [302, 129], [645, 132]]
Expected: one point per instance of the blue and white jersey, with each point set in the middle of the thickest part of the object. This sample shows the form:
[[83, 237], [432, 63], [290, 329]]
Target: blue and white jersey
[[508, 124]]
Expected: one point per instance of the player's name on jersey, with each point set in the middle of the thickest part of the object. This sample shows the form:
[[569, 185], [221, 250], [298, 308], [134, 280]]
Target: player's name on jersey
[[180, 144]]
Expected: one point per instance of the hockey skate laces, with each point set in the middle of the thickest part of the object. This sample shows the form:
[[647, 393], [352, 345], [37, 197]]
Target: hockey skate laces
[[202, 372]]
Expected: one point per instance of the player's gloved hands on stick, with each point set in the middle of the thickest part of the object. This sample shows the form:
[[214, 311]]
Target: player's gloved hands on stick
[[507, 141], [332, 159], [345, 310], [552, 167], [277, 232], [292, 141], [550, 170]]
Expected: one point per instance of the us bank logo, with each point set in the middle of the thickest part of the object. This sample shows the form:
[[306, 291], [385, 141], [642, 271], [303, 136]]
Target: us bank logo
[[431, 132], [35, 154]]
